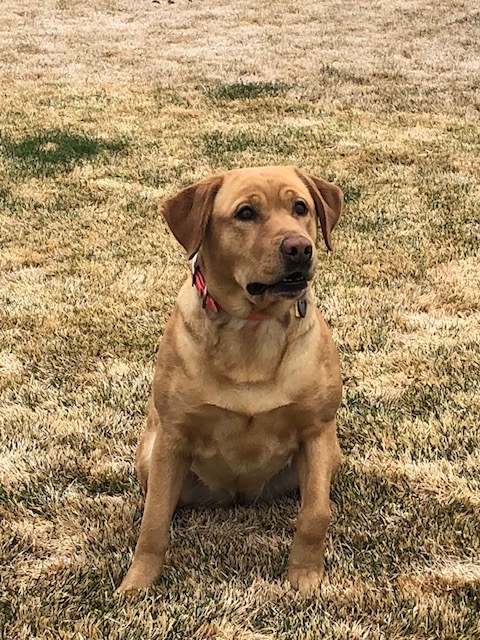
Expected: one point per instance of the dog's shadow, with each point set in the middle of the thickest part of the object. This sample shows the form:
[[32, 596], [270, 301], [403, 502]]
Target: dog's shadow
[[234, 542], [380, 524]]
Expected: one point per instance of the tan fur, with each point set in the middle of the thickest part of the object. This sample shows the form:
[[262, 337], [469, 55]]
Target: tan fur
[[240, 407]]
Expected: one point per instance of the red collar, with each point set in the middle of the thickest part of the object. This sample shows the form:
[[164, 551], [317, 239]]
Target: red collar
[[198, 281]]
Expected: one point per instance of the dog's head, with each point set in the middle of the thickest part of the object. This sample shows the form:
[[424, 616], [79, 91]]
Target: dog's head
[[255, 231]]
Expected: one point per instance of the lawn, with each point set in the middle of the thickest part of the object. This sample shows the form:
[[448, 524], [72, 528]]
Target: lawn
[[106, 109]]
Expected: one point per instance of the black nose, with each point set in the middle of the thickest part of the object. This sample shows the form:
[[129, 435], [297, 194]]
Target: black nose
[[297, 249]]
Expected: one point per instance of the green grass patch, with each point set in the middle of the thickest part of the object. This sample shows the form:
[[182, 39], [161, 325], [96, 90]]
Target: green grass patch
[[50, 152], [247, 90], [223, 148]]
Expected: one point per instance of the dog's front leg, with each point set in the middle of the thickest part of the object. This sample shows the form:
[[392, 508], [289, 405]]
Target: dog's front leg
[[168, 470], [316, 462]]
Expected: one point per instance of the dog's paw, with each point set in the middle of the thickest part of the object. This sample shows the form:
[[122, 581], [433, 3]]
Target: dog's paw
[[141, 575], [305, 580], [133, 582]]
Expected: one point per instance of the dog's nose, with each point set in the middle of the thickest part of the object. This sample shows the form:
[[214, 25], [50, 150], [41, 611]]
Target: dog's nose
[[297, 249]]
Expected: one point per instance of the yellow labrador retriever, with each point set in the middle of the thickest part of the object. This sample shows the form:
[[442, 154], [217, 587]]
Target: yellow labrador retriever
[[247, 382]]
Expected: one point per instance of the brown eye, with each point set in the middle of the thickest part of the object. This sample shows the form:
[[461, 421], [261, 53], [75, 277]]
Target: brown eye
[[300, 208], [246, 213]]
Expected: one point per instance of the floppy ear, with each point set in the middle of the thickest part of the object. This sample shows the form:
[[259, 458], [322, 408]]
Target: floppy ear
[[328, 200], [187, 212]]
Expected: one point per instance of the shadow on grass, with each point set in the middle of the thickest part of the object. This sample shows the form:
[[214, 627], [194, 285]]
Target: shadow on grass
[[383, 529], [55, 151]]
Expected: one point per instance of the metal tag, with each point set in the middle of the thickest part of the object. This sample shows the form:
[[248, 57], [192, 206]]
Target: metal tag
[[301, 309]]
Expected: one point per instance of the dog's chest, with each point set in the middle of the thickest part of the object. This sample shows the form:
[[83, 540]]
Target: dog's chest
[[246, 355], [239, 452]]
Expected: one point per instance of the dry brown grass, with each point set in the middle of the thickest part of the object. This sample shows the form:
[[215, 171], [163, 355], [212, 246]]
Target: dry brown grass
[[89, 273], [413, 53]]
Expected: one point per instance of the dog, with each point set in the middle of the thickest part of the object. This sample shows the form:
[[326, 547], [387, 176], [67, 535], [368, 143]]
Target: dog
[[247, 382]]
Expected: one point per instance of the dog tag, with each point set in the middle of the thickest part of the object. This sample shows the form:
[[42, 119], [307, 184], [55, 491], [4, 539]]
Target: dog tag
[[301, 309]]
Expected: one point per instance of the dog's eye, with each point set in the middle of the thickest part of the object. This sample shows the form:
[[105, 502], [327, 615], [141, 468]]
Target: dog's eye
[[246, 213], [300, 208]]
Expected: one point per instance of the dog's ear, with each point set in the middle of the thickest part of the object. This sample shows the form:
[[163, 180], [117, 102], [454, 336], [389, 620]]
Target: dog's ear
[[187, 212], [328, 200]]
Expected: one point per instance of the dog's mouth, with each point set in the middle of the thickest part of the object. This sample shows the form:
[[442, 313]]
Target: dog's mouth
[[289, 287]]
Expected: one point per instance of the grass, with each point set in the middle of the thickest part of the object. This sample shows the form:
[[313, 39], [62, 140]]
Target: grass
[[89, 275], [51, 152], [247, 90]]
